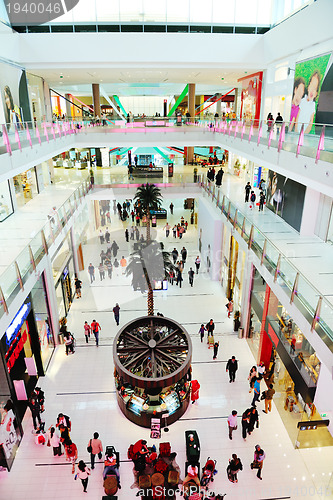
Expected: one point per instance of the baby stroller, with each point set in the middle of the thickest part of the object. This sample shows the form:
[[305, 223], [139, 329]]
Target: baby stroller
[[208, 473]]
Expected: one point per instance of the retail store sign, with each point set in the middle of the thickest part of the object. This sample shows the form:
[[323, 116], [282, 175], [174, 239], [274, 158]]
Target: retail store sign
[[17, 322]]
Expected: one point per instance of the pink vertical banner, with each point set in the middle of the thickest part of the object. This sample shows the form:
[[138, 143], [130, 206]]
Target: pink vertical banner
[[38, 134], [251, 131], [6, 139], [300, 140], [321, 144], [243, 130], [73, 127], [17, 138], [225, 127], [236, 128], [64, 131], [45, 131], [230, 128], [52, 130], [270, 137], [28, 134], [259, 133], [282, 136]]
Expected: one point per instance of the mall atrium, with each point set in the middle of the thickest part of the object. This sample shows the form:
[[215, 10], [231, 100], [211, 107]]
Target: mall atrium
[[194, 100]]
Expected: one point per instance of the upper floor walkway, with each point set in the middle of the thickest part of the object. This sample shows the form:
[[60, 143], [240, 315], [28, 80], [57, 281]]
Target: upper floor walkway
[[306, 158]]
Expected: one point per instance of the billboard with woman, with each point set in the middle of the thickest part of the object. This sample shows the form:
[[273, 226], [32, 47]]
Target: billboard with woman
[[15, 97]]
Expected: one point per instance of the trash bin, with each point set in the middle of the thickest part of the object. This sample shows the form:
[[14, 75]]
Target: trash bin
[[240, 332]]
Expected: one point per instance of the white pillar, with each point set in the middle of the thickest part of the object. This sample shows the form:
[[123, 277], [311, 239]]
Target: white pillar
[[310, 211], [51, 170], [12, 192], [40, 177]]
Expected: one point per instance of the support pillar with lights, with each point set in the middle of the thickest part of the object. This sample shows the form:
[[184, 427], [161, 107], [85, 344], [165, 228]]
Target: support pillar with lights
[[69, 107], [191, 108], [96, 99]]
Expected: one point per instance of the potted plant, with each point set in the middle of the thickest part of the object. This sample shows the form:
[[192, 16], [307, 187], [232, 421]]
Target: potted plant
[[236, 321]]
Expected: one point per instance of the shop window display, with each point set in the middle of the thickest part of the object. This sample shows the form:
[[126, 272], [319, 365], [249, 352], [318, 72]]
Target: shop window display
[[26, 187], [6, 205]]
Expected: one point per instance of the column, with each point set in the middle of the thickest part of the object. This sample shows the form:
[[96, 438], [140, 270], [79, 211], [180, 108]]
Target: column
[[51, 170], [191, 108], [310, 212], [96, 99], [202, 100], [68, 106], [219, 105], [40, 177], [236, 103]]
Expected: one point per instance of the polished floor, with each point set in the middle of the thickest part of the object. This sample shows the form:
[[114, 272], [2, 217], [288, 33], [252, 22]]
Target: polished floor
[[82, 387]]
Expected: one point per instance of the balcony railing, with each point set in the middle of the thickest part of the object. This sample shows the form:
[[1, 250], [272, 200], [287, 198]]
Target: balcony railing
[[315, 308], [13, 279]]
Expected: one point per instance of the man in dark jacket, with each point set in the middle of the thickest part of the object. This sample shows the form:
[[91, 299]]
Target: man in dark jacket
[[232, 367], [218, 178], [246, 422], [35, 412], [247, 192], [254, 419]]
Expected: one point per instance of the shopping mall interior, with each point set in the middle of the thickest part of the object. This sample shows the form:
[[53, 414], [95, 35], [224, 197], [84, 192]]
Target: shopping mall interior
[[129, 132]]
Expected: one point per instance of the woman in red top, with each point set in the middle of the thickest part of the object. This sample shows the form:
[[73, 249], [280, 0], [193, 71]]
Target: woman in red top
[[195, 386], [71, 453]]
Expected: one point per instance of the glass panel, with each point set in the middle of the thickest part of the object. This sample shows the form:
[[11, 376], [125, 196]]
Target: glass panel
[[246, 12], [154, 11], [326, 317], [131, 11], [224, 12], [24, 263], [199, 14], [258, 242], [307, 294], [48, 235], [107, 11], [287, 273], [37, 247], [178, 11], [272, 255], [9, 284]]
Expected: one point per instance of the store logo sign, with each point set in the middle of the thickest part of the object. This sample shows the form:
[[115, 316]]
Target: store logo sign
[[17, 322], [35, 12]]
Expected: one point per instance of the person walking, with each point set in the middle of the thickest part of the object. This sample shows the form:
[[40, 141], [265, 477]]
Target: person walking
[[109, 268], [256, 390], [230, 307], [114, 249], [96, 448], [174, 231], [123, 264], [71, 453], [101, 237], [35, 413], [254, 420], [83, 472], [91, 271], [252, 200], [261, 201], [219, 177], [252, 376], [116, 310], [64, 420], [107, 235], [258, 460], [183, 254], [179, 278], [210, 327], [191, 276], [87, 329], [116, 266], [130, 172], [101, 271], [78, 285], [216, 349], [268, 399], [247, 192], [167, 229], [171, 208], [202, 332], [54, 440], [126, 235], [195, 386], [197, 263], [245, 422], [95, 328], [232, 422], [235, 466], [174, 254], [232, 367], [40, 397]]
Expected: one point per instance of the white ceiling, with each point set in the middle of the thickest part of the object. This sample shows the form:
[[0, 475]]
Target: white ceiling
[[137, 81]]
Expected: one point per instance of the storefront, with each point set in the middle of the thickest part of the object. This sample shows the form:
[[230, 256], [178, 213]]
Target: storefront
[[63, 274], [26, 186], [291, 365], [6, 204], [232, 268], [42, 320]]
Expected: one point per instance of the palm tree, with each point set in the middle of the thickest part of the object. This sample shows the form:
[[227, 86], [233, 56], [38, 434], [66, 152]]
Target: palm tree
[[147, 264], [150, 198]]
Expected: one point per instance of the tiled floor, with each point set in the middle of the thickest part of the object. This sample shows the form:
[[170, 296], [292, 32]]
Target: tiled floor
[[82, 386]]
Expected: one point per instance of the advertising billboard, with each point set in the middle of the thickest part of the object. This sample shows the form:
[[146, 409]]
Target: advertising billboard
[[285, 198], [15, 107], [312, 94]]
